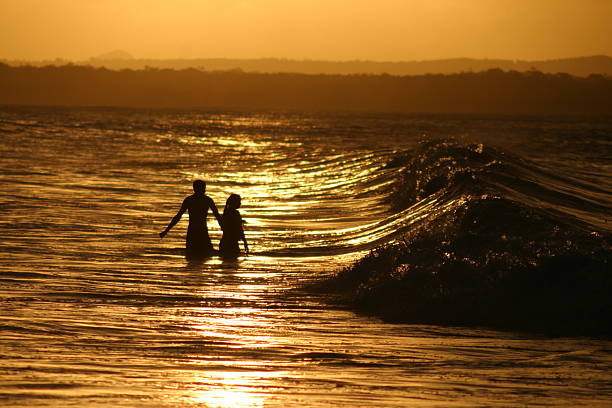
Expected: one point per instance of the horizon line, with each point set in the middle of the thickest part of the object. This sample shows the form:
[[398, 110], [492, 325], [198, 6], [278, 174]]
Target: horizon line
[[102, 57]]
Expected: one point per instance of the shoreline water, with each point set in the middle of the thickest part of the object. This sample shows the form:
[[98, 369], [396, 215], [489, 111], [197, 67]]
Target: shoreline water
[[97, 311]]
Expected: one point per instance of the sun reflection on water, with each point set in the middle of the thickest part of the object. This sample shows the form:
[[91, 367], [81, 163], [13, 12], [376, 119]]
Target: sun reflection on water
[[232, 382], [228, 398], [233, 389]]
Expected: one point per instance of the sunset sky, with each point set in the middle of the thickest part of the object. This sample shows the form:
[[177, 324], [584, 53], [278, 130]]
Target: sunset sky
[[306, 29]]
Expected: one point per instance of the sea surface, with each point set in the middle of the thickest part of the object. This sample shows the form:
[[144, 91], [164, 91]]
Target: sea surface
[[97, 311]]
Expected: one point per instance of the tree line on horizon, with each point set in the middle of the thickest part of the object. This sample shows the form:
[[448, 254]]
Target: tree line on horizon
[[118, 60], [491, 91]]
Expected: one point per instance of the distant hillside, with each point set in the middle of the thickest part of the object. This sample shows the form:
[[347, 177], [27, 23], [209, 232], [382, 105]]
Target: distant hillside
[[492, 91], [582, 66]]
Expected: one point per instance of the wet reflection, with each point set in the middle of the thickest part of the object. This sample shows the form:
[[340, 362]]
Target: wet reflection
[[239, 377], [224, 395], [99, 313]]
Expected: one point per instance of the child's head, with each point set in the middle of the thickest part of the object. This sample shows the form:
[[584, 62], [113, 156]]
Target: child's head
[[233, 202]]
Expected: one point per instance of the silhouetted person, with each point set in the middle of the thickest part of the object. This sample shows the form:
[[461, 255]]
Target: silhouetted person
[[233, 230], [198, 242]]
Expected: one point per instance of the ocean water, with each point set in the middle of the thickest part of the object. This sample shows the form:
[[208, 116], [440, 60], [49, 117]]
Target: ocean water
[[97, 311]]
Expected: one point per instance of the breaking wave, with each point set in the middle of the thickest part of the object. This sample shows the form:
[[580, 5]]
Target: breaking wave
[[498, 241]]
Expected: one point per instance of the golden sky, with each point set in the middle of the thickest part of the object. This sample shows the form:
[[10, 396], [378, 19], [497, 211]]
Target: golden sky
[[388, 30]]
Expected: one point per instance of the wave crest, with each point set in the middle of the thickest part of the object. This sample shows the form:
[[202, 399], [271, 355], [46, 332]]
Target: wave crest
[[486, 258], [440, 165]]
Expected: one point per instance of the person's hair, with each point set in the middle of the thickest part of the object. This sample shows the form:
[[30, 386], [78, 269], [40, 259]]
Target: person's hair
[[199, 186], [232, 202]]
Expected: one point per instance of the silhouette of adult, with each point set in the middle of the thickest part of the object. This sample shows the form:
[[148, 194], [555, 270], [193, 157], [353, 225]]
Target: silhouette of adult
[[198, 242], [233, 230]]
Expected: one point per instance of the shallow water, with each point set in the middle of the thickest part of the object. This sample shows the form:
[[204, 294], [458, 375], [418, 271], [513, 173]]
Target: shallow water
[[98, 311]]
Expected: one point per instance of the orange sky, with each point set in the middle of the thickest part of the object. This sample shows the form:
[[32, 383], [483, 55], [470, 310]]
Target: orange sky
[[306, 29]]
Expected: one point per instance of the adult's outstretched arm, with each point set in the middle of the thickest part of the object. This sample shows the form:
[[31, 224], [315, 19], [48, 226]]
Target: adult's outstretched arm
[[175, 219]]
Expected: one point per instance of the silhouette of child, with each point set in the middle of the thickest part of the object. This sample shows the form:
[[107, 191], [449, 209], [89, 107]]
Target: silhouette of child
[[232, 228]]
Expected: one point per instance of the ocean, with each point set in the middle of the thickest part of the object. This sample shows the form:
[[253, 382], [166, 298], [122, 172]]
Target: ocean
[[343, 212]]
